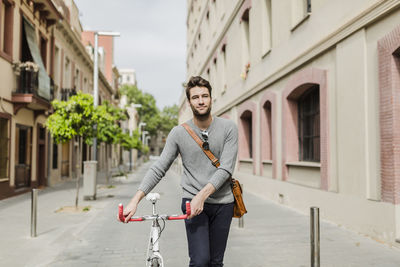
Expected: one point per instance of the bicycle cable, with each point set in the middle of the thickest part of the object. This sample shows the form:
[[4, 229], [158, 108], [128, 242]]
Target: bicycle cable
[[160, 228]]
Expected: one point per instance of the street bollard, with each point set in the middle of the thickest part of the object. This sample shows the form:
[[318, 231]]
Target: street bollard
[[314, 236], [34, 212], [241, 219]]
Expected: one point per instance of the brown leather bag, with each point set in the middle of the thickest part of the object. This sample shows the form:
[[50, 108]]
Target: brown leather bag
[[239, 208]]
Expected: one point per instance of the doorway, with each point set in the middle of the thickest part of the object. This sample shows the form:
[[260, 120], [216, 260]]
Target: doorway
[[41, 156], [23, 152]]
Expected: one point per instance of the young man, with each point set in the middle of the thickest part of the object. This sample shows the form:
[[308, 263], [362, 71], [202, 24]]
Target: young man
[[204, 185]]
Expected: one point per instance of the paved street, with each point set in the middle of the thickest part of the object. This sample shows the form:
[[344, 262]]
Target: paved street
[[273, 235]]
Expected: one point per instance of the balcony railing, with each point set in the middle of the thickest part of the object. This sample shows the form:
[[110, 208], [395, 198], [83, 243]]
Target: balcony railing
[[28, 82], [66, 93]]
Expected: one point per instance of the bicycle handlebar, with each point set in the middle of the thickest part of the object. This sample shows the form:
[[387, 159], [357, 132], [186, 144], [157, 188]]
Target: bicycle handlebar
[[143, 218]]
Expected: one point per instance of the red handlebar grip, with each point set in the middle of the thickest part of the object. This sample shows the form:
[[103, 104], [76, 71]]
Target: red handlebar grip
[[180, 217], [188, 210], [121, 213]]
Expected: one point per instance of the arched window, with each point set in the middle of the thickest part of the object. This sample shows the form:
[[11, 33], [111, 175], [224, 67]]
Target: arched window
[[247, 136], [305, 128], [309, 125], [247, 123], [267, 134]]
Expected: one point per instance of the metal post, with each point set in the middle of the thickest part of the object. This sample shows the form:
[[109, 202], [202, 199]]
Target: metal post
[[241, 219], [314, 236], [34, 212], [95, 88]]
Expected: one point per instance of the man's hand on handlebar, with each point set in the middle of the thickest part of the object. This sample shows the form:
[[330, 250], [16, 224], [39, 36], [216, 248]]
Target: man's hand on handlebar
[[130, 209]]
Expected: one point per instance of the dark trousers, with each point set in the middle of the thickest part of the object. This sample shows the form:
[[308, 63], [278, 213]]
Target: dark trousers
[[207, 234]]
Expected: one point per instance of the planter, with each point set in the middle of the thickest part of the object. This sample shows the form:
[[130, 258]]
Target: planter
[[89, 180]]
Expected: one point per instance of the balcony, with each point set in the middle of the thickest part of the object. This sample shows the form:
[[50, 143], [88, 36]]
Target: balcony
[[66, 93], [27, 93]]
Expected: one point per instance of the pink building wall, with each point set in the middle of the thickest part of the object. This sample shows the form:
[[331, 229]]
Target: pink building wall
[[108, 45]]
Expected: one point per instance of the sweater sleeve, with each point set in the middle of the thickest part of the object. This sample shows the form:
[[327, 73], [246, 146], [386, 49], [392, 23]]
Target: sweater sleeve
[[227, 159], [161, 166]]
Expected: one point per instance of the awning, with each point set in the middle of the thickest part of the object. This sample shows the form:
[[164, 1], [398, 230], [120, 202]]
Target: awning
[[44, 79]]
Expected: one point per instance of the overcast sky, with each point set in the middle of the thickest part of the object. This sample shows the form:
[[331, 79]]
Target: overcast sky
[[153, 41]]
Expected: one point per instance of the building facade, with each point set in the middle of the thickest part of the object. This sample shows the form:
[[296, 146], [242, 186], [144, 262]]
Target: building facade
[[26, 91], [313, 86], [42, 58], [128, 76]]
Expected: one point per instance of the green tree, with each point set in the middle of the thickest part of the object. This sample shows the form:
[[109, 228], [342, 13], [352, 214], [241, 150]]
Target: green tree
[[73, 118], [129, 142], [77, 118], [148, 112], [168, 118], [107, 118]]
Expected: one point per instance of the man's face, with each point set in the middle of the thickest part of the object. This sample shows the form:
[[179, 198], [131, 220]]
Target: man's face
[[200, 101]]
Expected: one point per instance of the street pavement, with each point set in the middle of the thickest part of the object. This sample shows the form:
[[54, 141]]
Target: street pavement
[[273, 235]]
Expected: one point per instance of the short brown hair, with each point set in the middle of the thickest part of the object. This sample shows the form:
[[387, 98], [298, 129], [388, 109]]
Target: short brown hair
[[197, 81]]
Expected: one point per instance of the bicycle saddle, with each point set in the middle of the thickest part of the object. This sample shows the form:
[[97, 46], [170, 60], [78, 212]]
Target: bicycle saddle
[[153, 197]]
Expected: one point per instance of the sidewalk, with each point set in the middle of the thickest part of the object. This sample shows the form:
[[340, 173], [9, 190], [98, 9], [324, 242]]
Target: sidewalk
[[273, 235]]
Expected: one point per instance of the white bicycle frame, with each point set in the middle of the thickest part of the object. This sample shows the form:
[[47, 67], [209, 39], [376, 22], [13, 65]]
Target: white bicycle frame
[[153, 248]]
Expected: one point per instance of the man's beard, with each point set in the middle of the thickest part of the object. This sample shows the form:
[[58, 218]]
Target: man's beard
[[200, 116]]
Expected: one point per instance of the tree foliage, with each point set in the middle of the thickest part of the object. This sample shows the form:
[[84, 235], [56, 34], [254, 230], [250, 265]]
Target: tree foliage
[[78, 117], [169, 118], [107, 118], [72, 118], [130, 142], [149, 113]]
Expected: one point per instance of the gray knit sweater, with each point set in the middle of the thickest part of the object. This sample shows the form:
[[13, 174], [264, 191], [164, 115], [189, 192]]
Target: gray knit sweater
[[197, 167]]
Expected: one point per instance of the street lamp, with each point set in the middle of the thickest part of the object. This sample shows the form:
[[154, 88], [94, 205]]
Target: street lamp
[[140, 126], [96, 78], [143, 136], [147, 140]]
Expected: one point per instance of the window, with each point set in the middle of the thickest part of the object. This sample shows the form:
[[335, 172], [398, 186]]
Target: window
[[214, 78], [67, 74], [300, 11], [7, 26], [56, 74], [268, 133], [55, 155], [5, 147], [247, 123], [25, 50], [245, 37], [76, 80], [223, 69], [43, 50], [266, 27], [85, 85], [309, 125]]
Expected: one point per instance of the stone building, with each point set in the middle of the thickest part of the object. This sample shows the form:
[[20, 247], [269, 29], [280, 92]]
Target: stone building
[[41, 58], [313, 86]]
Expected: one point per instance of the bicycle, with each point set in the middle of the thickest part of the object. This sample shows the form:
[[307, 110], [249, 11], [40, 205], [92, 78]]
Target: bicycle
[[153, 257]]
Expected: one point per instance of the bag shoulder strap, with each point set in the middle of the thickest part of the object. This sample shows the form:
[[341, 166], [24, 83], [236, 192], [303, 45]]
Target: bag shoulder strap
[[210, 155]]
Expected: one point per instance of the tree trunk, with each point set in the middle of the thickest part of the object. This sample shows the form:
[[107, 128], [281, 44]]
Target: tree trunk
[[78, 172]]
